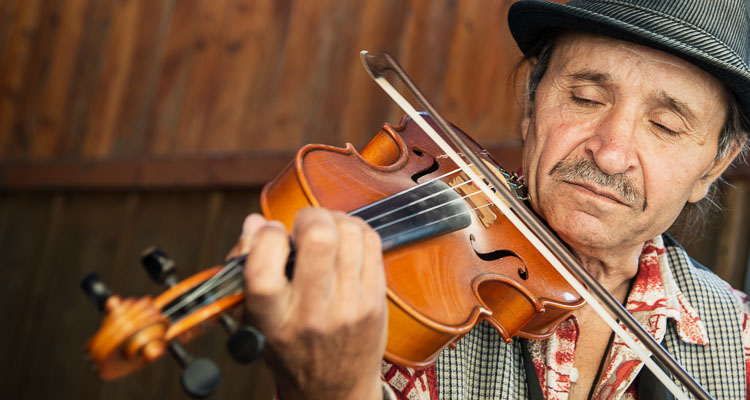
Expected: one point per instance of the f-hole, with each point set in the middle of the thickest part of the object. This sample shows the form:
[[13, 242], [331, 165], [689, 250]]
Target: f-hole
[[523, 272], [432, 168]]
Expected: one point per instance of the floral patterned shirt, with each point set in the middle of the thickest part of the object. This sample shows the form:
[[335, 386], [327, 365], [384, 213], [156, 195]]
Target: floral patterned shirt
[[654, 299]]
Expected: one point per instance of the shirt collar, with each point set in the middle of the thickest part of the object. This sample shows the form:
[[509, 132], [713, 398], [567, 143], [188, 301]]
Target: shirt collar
[[655, 297]]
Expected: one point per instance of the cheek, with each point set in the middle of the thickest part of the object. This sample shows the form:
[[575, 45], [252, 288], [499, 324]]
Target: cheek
[[561, 138], [546, 145], [668, 180]]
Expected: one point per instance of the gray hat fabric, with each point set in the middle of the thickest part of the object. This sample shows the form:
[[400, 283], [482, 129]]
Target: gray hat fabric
[[712, 34]]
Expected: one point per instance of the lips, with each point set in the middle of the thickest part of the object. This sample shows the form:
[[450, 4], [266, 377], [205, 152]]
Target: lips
[[600, 192], [585, 174]]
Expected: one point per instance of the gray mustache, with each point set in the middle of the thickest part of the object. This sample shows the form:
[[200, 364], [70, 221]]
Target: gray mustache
[[583, 170]]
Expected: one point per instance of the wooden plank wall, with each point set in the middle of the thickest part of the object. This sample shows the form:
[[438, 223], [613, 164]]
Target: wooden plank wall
[[128, 123], [84, 79]]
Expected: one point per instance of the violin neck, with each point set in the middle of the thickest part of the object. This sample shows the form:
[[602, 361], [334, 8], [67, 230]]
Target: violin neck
[[424, 211]]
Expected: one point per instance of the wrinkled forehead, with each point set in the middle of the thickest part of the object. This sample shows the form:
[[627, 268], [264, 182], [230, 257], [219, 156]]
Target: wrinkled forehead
[[627, 62]]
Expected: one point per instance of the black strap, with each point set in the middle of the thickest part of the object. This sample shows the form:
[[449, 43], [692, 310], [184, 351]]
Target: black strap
[[532, 379], [605, 357], [650, 387]]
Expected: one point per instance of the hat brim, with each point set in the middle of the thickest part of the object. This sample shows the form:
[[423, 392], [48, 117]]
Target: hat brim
[[529, 20]]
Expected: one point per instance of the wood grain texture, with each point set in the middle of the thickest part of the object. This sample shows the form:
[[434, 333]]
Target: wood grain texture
[[84, 79], [23, 23]]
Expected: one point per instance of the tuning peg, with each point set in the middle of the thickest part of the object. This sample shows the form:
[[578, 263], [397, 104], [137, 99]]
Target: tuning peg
[[160, 268], [200, 377], [245, 343], [96, 290]]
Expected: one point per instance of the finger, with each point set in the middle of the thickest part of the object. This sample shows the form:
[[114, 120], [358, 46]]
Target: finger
[[349, 253], [250, 226], [265, 281], [372, 276], [315, 237]]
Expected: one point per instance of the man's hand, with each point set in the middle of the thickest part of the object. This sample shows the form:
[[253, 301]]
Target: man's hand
[[326, 328]]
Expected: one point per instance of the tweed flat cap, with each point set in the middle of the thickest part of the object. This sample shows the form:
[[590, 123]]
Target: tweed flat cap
[[712, 34]]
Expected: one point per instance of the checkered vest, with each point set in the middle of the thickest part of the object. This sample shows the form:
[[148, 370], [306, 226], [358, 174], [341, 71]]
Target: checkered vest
[[483, 366]]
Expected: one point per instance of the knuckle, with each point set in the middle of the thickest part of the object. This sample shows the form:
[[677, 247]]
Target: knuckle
[[259, 288], [350, 229], [359, 222], [318, 326], [320, 235], [365, 311], [372, 237], [310, 215], [270, 232]]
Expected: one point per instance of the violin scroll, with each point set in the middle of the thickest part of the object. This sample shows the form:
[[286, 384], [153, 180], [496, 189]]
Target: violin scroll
[[132, 334], [136, 332]]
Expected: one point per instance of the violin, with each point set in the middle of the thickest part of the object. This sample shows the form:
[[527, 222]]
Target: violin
[[460, 247], [451, 258]]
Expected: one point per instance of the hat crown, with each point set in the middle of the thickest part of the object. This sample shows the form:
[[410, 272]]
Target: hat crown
[[720, 26]]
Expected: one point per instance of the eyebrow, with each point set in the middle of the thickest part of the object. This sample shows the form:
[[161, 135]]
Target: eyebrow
[[591, 76], [677, 106]]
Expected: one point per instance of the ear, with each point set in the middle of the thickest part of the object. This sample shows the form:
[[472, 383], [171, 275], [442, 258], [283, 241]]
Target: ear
[[525, 121], [526, 106], [717, 168]]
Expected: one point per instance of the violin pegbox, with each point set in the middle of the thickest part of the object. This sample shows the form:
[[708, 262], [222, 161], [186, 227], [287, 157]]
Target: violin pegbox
[[135, 332], [132, 333]]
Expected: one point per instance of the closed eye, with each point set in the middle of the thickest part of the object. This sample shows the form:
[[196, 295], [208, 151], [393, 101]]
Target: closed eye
[[664, 129], [584, 101]]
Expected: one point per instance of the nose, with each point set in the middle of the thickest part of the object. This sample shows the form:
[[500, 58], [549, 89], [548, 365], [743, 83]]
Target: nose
[[611, 144]]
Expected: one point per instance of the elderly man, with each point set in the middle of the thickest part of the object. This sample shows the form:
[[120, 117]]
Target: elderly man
[[633, 110]]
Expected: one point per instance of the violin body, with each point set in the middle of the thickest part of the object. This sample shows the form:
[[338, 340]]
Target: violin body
[[440, 287]]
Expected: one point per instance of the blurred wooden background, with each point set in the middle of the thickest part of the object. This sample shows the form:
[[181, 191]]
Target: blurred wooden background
[[127, 123]]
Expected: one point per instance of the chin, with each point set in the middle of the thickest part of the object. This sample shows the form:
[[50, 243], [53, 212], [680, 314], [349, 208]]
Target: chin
[[587, 234]]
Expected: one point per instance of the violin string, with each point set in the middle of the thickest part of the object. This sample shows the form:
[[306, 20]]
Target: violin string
[[232, 270], [383, 226], [443, 219], [203, 287], [230, 288], [228, 272], [216, 280], [365, 207], [419, 200], [219, 277]]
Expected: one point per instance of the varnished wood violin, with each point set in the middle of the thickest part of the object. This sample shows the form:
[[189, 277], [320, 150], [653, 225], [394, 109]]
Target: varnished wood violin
[[450, 256]]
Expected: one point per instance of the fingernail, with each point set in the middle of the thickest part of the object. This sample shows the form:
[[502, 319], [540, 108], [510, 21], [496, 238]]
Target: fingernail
[[276, 224], [249, 225]]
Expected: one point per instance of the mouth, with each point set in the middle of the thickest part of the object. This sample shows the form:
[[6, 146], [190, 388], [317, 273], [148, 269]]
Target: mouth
[[599, 192]]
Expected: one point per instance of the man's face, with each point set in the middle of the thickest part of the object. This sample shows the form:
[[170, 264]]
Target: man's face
[[620, 137]]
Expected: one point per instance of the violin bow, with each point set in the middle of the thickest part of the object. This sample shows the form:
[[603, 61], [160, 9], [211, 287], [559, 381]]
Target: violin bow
[[535, 231]]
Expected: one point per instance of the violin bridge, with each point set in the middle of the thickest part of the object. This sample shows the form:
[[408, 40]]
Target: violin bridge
[[475, 197], [479, 202]]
